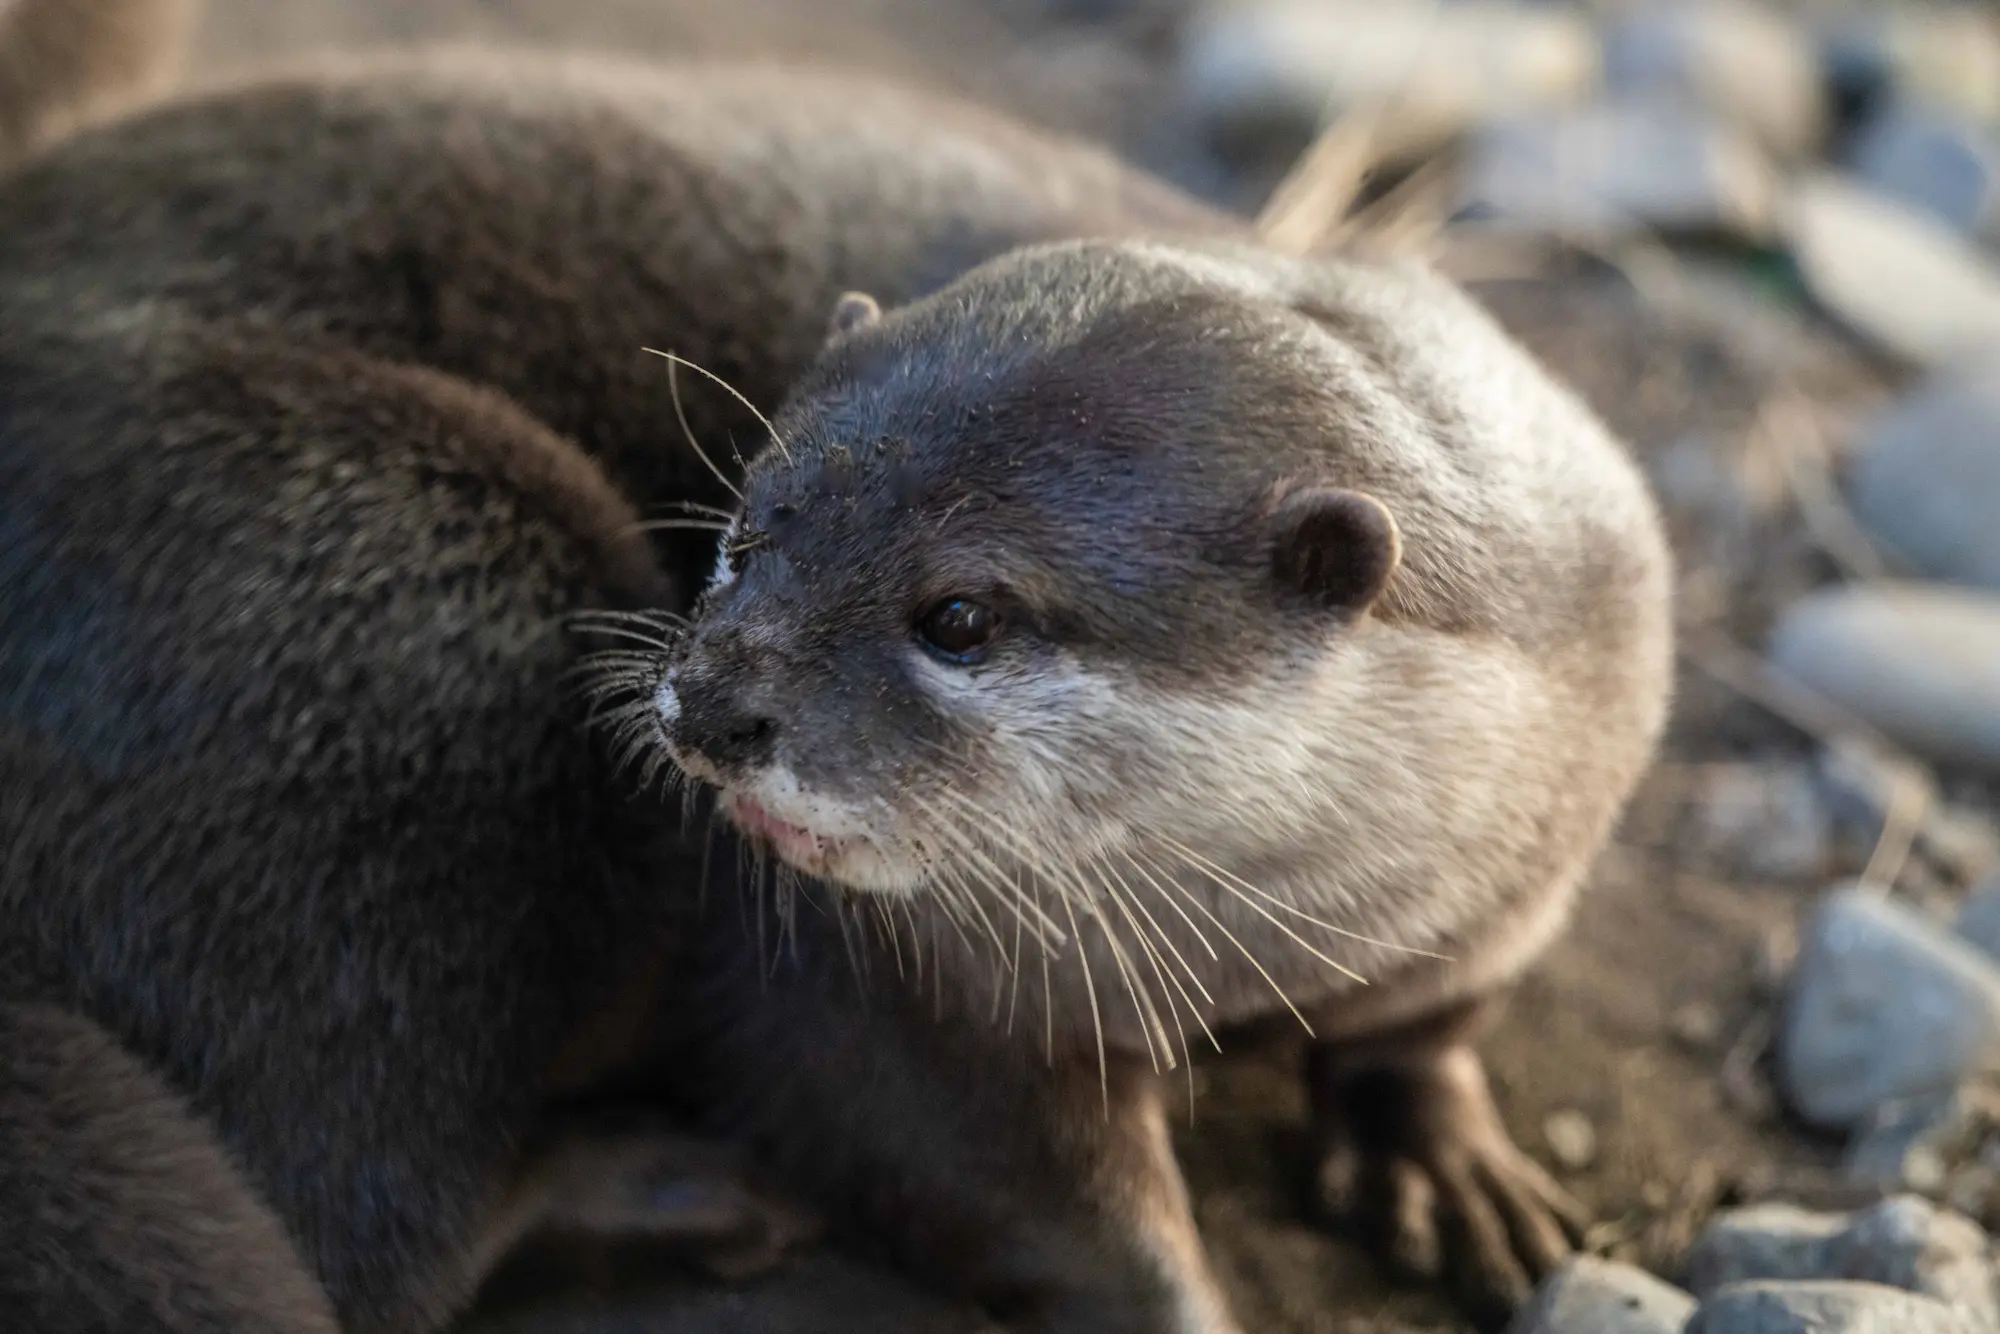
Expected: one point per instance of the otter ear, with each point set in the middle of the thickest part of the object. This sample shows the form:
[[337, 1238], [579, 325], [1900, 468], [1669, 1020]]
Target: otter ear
[[854, 310], [1336, 547]]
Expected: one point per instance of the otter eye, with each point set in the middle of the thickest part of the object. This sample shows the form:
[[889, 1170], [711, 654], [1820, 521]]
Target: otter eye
[[958, 630]]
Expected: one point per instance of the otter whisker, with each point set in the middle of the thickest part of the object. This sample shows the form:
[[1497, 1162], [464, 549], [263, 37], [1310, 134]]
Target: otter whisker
[[991, 874], [785, 884], [886, 918], [950, 886], [666, 525], [606, 657], [1165, 939], [1230, 936], [972, 902], [614, 703], [916, 942], [1048, 992], [1168, 978], [1147, 1011], [1212, 870], [1014, 965], [613, 668], [856, 956], [1144, 1004], [1273, 919], [634, 636], [734, 393], [1163, 974], [1096, 1017], [687, 431], [1137, 904], [946, 897], [1010, 843], [696, 507], [654, 616]]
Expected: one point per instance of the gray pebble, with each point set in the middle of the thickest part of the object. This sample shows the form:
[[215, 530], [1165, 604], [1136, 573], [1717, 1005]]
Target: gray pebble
[[1446, 67], [1942, 57], [1592, 1296], [1618, 167], [1697, 1026], [1572, 1139], [1946, 165], [1884, 1005], [1893, 273], [1823, 1307], [1765, 820], [1926, 474], [1905, 1242], [1979, 918], [1901, 1145], [1919, 662], [1744, 61]]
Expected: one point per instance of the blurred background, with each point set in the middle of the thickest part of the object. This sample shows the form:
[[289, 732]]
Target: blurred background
[[1764, 241]]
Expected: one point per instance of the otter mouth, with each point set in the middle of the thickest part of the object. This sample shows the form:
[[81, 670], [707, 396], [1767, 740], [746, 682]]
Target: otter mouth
[[795, 843]]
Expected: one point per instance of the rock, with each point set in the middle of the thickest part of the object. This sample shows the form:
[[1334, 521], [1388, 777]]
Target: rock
[[1921, 663], [1619, 167], [1894, 274], [1949, 166], [1925, 474], [1296, 61], [1747, 63], [1592, 1296], [1572, 1139], [1724, 489], [1823, 1307], [1942, 57], [1884, 1005], [1903, 1145], [1696, 1026], [1979, 920], [1768, 821], [1904, 1242]]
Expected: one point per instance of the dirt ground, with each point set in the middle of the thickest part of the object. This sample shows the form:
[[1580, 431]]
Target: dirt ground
[[1646, 1018]]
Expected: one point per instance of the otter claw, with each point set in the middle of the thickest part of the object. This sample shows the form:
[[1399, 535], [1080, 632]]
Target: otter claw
[[1418, 1153]]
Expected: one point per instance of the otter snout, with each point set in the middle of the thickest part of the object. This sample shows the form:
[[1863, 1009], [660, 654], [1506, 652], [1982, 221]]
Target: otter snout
[[705, 716]]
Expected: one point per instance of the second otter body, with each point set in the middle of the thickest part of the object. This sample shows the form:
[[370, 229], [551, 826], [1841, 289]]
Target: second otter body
[[324, 410]]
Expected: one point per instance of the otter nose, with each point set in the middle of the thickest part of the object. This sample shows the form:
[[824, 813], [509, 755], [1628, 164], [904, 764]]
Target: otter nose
[[713, 722]]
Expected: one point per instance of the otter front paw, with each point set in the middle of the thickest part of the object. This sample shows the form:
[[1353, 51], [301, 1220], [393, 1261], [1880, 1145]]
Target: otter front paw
[[1416, 1149]]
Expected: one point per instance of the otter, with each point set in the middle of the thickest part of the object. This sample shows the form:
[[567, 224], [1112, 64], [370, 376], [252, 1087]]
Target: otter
[[325, 425], [330, 453], [1171, 633]]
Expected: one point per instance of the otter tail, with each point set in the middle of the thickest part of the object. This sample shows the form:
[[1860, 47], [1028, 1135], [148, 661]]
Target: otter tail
[[65, 62]]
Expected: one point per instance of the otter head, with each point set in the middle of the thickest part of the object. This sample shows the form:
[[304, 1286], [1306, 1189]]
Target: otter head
[[1052, 570]]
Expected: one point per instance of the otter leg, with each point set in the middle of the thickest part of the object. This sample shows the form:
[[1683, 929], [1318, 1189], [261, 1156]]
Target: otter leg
[[1409, 1139], [119, 1209], [1038, 1188]]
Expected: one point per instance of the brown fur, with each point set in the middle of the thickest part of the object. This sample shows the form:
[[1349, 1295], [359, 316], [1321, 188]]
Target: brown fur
[[322, 415], [132, 1216], [323, 411]]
